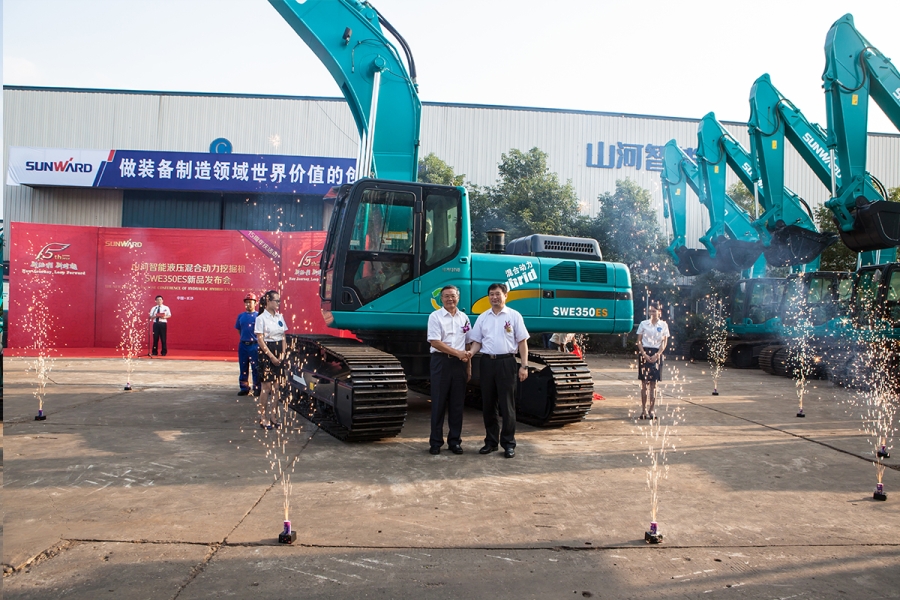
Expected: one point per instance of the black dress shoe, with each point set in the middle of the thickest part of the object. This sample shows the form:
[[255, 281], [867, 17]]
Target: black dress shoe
[[244, 393], [456, 449], [435, 450], [486, 449], [509, 453]]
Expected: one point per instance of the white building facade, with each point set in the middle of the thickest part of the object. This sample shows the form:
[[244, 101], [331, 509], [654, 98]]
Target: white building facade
[[591, 149]]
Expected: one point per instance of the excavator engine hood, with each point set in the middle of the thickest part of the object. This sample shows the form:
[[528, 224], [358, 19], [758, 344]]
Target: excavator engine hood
[[794, 245]]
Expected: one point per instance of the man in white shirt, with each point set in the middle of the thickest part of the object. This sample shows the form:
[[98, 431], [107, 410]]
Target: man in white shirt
[[159, 315], [498, 333], [447, 331], [653, 335]]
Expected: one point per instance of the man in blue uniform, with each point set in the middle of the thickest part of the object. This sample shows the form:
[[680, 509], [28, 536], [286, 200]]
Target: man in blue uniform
[[248, 349]]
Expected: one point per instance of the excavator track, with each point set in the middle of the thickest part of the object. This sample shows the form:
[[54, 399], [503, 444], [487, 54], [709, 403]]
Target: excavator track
[[559, 390], [351, 390], [774, 360]]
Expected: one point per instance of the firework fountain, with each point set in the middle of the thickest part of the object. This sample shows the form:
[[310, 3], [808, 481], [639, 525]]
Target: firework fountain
[[877, 401], [716, 340], [39, 325], [131, 316], [658, 440], [801, 352]]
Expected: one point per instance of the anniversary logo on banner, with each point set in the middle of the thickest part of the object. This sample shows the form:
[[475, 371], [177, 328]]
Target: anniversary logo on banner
[[52, 271]]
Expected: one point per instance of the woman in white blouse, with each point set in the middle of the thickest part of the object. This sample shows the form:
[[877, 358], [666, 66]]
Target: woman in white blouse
[[270, 329]]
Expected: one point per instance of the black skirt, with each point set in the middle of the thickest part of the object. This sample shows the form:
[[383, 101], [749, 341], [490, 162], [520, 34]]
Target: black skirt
[[650, 371], [268, 372]]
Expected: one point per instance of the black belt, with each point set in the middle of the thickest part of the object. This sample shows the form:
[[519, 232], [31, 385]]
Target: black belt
[[446, 355], [249, 343], [495, 356]]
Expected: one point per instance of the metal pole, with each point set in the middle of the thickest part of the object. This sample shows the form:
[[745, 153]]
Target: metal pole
[[368, 157], [833, 177], [755, 200]]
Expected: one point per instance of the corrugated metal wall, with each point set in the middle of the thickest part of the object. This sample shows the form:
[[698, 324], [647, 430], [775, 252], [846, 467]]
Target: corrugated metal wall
[[469, 138], [195, 210], [273, 212], [191, 210]]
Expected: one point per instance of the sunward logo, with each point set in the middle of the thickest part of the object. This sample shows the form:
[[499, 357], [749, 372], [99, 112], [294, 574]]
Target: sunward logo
[[50, 250], [69, 166], [124, 243]]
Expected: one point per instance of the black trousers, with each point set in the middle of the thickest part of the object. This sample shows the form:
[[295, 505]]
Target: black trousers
[[498, 391], [448, 391], [159, 335]]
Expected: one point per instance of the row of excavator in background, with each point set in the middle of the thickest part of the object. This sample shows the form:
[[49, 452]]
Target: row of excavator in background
[[832, 312]]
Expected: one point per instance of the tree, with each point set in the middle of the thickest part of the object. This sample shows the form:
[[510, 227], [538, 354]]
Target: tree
[[894, 194], [743, 197], [434, 170], [628, 232], [528, 198], [836, 257]]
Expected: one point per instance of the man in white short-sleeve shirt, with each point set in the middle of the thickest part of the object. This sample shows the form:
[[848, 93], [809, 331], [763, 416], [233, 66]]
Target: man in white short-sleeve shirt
[[159, 316], [448, 328], [498, 333]]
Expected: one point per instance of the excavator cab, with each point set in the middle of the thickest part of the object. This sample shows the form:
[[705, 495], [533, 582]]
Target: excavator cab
[[383, 236]]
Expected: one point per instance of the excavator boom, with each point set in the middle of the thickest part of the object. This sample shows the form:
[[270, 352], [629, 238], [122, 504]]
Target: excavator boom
[[347, 37], [731, 242], [772, 119], [854, 70]]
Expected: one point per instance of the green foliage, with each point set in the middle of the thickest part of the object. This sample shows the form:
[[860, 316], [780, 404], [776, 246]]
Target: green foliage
[[528, 198], [434, 170], [836, 257], [893, 194], [628, 232], [743, 197]]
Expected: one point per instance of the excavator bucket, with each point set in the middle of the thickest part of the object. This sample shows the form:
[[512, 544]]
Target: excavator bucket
[[736, 255], [694, 262], [877, 227], [793, 245]]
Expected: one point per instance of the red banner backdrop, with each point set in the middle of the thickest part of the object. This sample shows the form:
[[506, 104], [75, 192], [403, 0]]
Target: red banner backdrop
[[83, 274]]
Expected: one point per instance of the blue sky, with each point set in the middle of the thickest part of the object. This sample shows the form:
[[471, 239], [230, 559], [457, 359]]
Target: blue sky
[[680, 59]]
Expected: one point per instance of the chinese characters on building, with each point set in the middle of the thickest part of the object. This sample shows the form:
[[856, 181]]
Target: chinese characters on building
[[240, 171], [636, 156]]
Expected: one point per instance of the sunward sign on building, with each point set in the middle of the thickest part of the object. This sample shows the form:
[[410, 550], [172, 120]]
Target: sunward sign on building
[[179, 171]]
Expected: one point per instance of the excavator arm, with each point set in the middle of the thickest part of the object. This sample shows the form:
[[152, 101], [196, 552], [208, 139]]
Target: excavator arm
[[773, 118], [854, 71], [347, 37], [732, 244]]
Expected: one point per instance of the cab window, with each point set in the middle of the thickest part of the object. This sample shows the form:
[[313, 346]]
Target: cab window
[[380, 256], [442, 228]]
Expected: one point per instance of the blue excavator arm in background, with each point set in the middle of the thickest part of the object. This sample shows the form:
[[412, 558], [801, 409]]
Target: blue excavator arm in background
[[774, 118], [718, 148], [347, 37], [732, 244], [854, 71]]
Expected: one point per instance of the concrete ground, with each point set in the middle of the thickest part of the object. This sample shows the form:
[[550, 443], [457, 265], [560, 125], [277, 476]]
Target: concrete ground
[[172, 491]]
